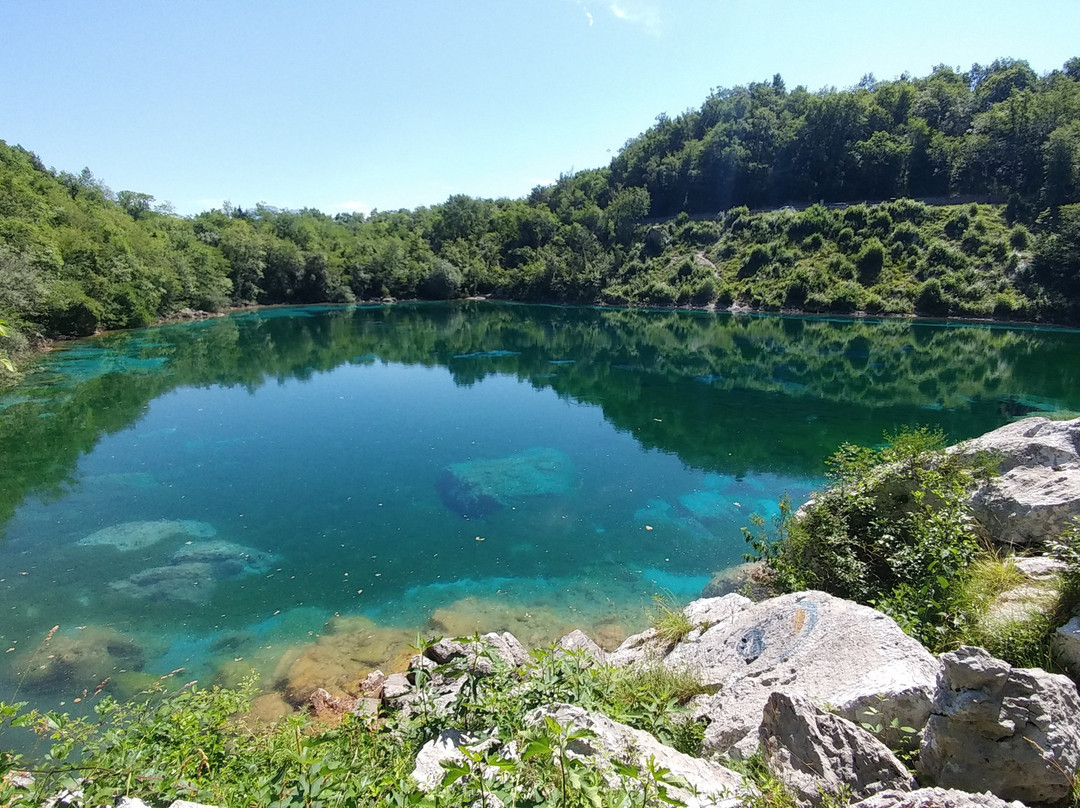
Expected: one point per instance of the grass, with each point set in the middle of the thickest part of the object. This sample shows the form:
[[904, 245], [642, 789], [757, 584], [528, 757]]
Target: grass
[[670, 621], [193, 745]]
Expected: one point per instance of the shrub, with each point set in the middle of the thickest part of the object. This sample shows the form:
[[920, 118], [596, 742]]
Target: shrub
[[705, 293], [846, 297], [957, 225], [855, 217], [893, 531], [879, 222], [870, 261], [757, 258], [1019, 238], [932, 298], [846, 240], [906, 233]]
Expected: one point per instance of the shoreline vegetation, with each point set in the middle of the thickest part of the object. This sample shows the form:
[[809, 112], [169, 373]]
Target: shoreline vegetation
[[77, 258], [743, 203]]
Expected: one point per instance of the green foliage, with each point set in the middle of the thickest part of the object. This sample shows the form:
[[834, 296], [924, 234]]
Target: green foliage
[[90, 259], [893, 531], [1067, 548], [192, 745]]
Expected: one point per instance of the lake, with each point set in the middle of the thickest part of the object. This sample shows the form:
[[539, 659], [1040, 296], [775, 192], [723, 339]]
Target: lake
[[300, 491]]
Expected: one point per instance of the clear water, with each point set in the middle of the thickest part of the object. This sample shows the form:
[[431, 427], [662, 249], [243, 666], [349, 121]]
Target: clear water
[[300, 457]]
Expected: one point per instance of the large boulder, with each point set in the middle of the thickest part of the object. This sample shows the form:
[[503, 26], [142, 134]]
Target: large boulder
[[609, 740], [1014, 731], [934, 798], [478, 487], [1038, 490], [833, 651], [817, 754]]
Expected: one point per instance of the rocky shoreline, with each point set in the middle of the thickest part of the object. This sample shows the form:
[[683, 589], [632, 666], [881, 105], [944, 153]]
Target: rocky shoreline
[[832, 695], [827, 689]]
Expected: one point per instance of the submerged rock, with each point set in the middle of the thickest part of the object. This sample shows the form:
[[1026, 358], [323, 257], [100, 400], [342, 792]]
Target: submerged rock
[[339, 660], [190, 582], [82, 659], [195, 571], [129, 536], [478, 487], [226, 558]]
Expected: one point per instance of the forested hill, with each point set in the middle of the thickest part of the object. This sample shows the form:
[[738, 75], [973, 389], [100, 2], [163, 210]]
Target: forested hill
[[667, 223], [998, 129]]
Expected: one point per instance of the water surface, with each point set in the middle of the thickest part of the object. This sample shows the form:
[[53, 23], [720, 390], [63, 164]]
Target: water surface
[[302, 490]]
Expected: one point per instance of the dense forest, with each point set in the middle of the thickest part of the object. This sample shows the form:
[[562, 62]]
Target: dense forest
[[955, 194]]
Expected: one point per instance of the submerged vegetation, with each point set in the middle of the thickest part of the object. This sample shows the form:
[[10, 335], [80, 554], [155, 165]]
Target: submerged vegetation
[[669, 222]]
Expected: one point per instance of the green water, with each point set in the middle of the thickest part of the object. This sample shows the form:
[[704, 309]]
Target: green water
[[315, 444]]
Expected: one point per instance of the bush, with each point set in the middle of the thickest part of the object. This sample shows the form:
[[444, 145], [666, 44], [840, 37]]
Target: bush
[[705, 293], [957, 225], [870, 261], [893, 531], [932, 298], [1019, 238], [846, 240], [443, 282], [758, 257]]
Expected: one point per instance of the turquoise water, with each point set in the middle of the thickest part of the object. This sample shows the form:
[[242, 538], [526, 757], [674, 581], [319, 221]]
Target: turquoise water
[[300, 491]]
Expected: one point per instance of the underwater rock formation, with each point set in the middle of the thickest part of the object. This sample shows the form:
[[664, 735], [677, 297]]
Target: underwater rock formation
[[191, 582], [78, 660], [128, 536], [226, 558], [478, 487], [194, 572]]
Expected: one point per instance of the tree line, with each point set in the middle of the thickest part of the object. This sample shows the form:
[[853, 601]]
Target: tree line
[[75, 257]]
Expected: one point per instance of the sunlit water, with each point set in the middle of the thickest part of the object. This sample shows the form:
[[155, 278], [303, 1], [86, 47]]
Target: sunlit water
[[289, 490]]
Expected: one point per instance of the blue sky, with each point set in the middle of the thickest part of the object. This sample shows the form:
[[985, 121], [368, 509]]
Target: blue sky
[[380, 104]]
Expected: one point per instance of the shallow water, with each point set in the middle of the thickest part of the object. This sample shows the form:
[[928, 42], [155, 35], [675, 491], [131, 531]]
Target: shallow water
[[299, 460]]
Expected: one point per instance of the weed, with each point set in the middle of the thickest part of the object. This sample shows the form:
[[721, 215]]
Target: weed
[[670, 622]]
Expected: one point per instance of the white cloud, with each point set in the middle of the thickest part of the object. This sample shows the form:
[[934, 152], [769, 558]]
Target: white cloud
[[588, 14], [637, 13]]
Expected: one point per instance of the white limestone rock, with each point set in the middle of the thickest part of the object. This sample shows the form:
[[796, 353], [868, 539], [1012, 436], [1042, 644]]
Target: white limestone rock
[[851, 657], [711, 783], [577, 641], [1067, 643], [1014, 731], [815, 753], [1039, 487], [935, 798]]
